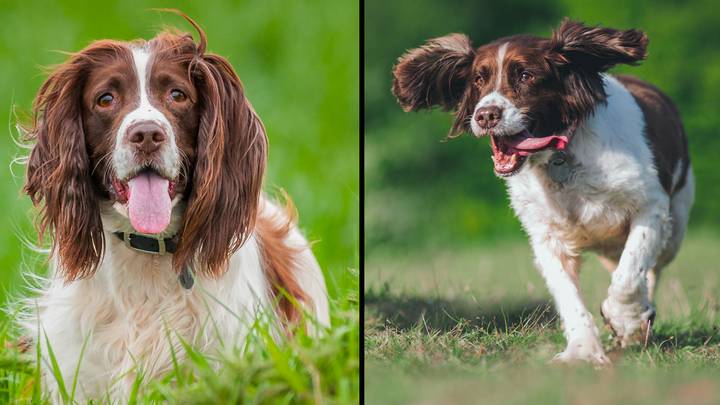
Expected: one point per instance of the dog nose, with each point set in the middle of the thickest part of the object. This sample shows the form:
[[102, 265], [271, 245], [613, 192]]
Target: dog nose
[[488, 117], [146, 137]]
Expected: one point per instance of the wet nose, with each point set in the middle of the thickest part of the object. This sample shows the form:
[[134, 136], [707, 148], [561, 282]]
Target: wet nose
[[146, 137], [488, 117]]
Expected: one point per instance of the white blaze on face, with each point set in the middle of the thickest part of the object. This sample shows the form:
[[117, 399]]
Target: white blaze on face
[[124, 155], [513, 120], [500, 58]]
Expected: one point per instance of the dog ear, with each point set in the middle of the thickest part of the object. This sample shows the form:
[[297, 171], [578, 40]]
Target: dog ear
[[435, 74], [596, 48], [579, 54], [58, 172], [228, 174]]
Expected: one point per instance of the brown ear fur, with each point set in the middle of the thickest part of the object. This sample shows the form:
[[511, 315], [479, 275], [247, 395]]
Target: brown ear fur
[[228, 173], [58, 173], [597, 48], [435, 74], [579, 54]]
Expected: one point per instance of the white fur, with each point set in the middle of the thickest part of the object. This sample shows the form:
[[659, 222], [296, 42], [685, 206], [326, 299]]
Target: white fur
[[133, 309], [614, 184], [124, 160], [512, 121], [500, 58]]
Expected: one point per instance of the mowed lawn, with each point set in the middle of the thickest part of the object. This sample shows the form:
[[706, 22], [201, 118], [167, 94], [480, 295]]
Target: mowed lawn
[[476, 325]]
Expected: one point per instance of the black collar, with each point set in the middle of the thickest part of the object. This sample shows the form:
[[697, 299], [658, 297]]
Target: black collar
[[157, 246], [148, 244]]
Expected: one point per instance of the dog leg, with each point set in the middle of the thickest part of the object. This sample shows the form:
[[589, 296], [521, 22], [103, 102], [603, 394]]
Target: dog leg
[[652, 278], [583, 342], [628, 309]]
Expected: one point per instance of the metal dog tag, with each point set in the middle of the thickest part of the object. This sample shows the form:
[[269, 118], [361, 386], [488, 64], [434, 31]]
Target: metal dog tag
[[186, 278], [559, 167]]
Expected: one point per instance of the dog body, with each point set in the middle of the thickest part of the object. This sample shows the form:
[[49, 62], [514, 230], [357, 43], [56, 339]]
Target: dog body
[[592, 162], [155, 140], [133, 310], [615, 190]]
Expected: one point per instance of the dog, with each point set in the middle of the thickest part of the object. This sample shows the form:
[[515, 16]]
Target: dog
[[147, 168], [592, 161]]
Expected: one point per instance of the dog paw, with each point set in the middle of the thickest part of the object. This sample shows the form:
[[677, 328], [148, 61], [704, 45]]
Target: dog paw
[[587, 349], [630, 323]]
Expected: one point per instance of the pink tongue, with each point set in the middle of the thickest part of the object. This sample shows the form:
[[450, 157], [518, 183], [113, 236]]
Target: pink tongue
[[149, 203], [533, 144]]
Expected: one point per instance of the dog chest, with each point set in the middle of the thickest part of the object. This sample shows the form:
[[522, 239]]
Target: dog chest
[[579, 213]]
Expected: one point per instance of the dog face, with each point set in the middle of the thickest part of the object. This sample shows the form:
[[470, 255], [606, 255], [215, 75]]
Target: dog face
[[140, 113], [142, 126], [526, 93]]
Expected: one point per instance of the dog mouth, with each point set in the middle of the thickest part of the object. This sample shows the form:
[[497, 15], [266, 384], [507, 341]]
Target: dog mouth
[[148, 196], [509, 152]]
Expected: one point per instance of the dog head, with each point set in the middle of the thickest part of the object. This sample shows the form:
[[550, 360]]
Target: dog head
[[527, 93], [147, 127]]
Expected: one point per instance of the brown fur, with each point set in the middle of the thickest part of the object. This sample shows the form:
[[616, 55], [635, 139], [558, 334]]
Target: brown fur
[[663, 131], [571, 265], [279, 260], [435, 74]]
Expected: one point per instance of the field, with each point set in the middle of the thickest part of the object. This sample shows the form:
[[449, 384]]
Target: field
[[474, 324], [455, 311], [299, 65]]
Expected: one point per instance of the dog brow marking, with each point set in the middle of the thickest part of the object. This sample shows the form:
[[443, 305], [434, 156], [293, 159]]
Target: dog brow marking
[[500, 58], [141, 56]]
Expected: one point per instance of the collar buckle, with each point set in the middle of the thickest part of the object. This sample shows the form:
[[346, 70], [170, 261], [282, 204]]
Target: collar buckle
[[161, 250]]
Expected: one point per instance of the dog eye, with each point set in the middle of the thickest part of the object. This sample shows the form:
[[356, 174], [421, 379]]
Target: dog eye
[[480, 79], [526, 76], [106, 100], [177, 96]]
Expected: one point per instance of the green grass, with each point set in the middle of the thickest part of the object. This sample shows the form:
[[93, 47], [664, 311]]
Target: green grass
[[300, 370], [476, 325]]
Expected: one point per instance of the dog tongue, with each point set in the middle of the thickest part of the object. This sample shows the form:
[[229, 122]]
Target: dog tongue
[[533, 144], [149, 203]]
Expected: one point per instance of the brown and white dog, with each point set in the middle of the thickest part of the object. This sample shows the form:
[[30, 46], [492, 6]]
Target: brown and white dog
[[148, 165], [592, 161]]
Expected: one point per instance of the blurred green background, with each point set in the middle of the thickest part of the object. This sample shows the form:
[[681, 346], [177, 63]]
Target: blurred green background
[[422, 193], [298, 62]]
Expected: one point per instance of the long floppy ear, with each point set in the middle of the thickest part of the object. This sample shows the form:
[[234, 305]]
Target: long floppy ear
[[58, 173], [597, 48], [228, 173], [435, 74], [579, 54]]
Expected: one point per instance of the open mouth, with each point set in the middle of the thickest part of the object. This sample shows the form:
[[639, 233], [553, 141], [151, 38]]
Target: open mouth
[[509, 152], [148, 196]]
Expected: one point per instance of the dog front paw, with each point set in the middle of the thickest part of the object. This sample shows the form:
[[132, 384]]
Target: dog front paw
[[586, 349], [630, 323]]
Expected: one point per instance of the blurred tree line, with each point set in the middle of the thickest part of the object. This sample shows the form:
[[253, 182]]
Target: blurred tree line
[[421, 191]]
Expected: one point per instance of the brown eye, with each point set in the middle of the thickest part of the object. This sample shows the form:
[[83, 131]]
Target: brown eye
[[177, 96], [106, 100], [526, 76]]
